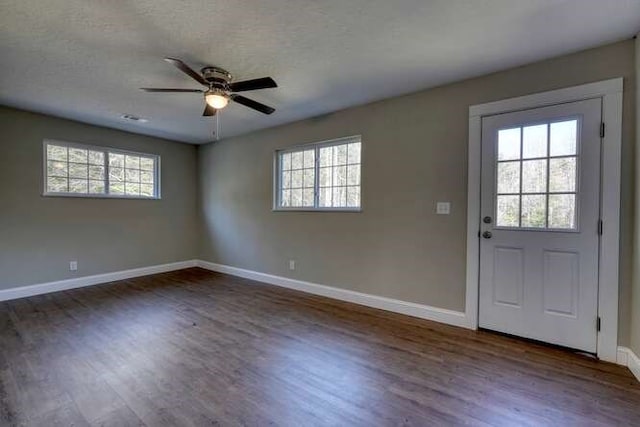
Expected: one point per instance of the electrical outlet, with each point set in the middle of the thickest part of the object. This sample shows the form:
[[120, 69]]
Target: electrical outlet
[[292, 264], [73, 265]]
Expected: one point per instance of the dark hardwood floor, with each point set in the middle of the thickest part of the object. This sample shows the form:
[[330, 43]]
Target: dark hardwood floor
[[199, 348]]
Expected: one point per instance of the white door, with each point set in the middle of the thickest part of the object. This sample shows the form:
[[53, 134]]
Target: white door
[[540, 198]]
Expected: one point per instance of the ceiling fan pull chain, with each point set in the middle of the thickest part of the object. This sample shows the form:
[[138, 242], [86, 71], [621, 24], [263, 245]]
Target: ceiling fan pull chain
[[217, 131]]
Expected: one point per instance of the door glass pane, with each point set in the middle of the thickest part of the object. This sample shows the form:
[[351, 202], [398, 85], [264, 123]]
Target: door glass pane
[[534, 176], [509, 144], [508, 211], [534, 211], [508, 177], [534, 164], [562, 175], [562, 211], [534, 141], [563, 138]]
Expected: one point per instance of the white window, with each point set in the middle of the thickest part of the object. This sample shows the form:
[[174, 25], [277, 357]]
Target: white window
[[81, 170], [319, 176]]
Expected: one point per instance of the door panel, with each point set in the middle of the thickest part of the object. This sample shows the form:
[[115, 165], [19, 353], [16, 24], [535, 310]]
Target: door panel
[[508, 276], [561, 283], [540, 195]]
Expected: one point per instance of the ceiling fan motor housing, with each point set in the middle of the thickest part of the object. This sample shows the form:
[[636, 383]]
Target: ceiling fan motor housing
[[217, 77]]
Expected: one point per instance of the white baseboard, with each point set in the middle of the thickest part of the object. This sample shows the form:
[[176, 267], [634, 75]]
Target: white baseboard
[[441, 315], [623, 358], [79, 282], [628, 358]]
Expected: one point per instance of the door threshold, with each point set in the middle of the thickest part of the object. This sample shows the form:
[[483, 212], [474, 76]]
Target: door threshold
[[543, 344]]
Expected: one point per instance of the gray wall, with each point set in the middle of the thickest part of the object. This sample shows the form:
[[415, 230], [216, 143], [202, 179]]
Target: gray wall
[[414, 154], [40, 235], [635, 296]]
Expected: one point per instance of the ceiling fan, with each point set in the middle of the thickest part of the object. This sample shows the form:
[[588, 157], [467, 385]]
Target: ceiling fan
[[220, 88]]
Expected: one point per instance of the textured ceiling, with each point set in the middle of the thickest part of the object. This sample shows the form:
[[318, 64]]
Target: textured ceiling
[[85, 59]]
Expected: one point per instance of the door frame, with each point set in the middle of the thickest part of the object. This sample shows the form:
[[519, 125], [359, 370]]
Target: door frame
[[610, 92]]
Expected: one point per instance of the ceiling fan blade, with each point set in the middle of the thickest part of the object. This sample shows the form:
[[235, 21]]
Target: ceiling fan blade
[[252, 104], [263, 83], [209, 110], [187, 70], [154, 89]]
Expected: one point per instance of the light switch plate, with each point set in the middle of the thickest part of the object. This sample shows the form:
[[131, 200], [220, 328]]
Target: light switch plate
[[443, 208]]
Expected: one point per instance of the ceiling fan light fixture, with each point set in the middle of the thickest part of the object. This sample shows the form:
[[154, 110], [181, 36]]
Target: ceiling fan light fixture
[[216, 100]]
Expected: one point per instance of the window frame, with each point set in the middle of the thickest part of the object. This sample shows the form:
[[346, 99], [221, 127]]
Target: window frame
[[277, 207], [578, 177], [106, 150]]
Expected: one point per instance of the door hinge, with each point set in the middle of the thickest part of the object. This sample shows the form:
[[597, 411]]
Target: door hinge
[[602, 130], [600, 227], [598, 323]]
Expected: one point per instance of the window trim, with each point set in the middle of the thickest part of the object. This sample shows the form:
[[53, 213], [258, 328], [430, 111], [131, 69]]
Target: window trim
[[106, 150], [316, 144]]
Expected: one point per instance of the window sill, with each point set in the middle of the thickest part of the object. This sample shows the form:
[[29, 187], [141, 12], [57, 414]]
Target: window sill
[[344, 210], [100, 196]]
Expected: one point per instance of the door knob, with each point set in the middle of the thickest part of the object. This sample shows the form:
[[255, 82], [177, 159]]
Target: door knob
[[486, 234]]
